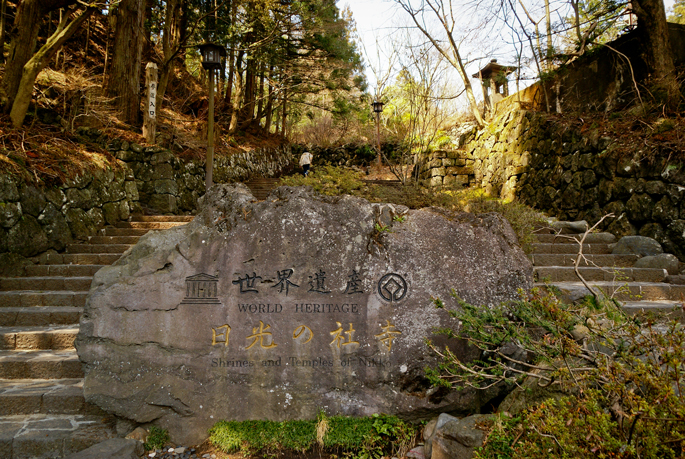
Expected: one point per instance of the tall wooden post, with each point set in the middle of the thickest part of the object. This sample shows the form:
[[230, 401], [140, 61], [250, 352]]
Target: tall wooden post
[[150, 121], [210, 134], [378, 136]]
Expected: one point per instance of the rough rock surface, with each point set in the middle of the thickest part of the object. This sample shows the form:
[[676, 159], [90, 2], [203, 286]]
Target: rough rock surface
[[280, 308], [665, 261], [452, 438], [637, 245], [114, 448]]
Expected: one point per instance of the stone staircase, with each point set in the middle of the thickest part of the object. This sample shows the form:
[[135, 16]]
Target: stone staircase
[[554, 257], [43, 412]]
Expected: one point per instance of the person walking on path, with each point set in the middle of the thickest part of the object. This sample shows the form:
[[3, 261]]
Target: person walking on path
[[305, 162]]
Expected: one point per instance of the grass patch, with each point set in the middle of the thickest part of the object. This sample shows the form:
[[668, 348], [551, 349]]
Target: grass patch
[[328, 180], [156, 438], [373, 437]]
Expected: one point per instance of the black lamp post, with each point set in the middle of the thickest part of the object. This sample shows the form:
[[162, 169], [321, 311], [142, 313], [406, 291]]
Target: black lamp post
[[378, 109], [211, 61]]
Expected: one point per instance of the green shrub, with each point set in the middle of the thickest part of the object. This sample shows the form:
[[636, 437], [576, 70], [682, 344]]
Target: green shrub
[[623, 377], [329, 180], [362, 438]]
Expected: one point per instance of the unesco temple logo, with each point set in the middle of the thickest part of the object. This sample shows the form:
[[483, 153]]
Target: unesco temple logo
[[201, 289]]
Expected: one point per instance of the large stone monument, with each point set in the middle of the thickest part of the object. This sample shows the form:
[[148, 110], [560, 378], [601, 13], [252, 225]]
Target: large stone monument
[[281, 308]]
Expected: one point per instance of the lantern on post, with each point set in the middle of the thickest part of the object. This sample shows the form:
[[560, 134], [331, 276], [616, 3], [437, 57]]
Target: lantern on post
[[378, 109], [211, 61]]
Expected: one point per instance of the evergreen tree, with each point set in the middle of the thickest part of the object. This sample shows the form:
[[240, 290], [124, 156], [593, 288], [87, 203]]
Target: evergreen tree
[[677, 12]]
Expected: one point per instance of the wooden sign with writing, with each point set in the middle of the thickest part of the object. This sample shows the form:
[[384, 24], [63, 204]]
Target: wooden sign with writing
[[150, 122]]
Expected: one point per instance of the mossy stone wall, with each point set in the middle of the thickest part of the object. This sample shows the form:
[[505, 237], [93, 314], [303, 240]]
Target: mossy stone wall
[[576, 175], [34, 220]]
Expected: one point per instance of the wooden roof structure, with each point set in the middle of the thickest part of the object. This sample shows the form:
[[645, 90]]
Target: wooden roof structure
[[491, 68]]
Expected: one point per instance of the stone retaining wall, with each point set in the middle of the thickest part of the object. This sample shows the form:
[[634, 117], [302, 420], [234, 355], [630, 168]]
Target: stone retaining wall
[[449, 168], [34, 220], [168, 184], [573, 176]]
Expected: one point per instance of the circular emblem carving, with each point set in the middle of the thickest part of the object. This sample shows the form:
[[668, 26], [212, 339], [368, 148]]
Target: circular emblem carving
[[392, 287]]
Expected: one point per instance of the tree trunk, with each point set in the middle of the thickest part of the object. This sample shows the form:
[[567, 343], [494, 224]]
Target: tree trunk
[[173, 36], [230, 60], [576, 19], [652, 25], [124, 78], [147, 26], [39, 61], [247, 109], [25, 30], [284, 114], [3, 28], [550, 46], [454, 58], [237, 93], [260, 95], [269, 102]]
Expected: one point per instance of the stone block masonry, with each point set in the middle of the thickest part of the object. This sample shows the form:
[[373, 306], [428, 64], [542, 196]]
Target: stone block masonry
[[574, 175], [35, 220], [448, 168], [169, 184]]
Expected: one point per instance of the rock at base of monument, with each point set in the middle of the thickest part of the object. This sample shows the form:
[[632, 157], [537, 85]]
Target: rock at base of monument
[[114, 448], [138, 434], [469, 431], [416, 452], [454, 438], [281, 308], [443, 448]]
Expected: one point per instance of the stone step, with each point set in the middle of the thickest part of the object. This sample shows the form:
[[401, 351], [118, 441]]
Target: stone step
[[33, 338], [39, 316], [78, 258], [28, 298], [674, 308], [112, 231], [75, 284], [163, 218], [592, 238], [98, 248], [149, 225], [623, 291], [48, 364], [63, 270], [547, 259], [567, 274], [113, 240], [394, 183], [42, 436], [48, 396], [542, 247], [544, 229]]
